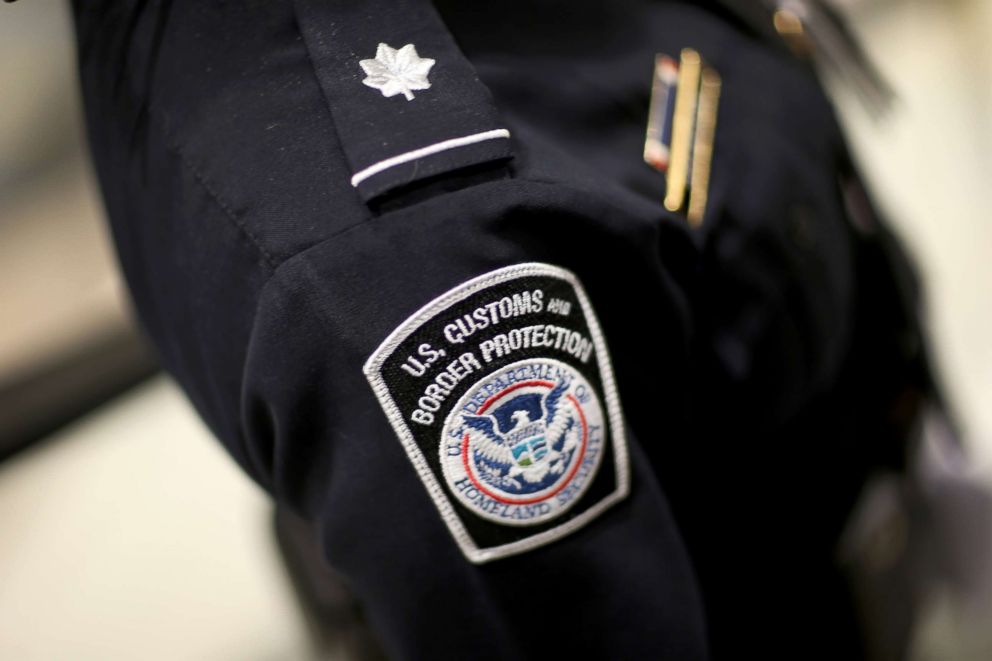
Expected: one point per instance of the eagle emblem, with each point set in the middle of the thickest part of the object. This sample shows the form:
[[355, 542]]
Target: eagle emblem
[[541, 434]]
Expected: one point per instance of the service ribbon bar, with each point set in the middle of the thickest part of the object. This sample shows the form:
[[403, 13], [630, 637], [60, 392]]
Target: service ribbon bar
[[685, 96]]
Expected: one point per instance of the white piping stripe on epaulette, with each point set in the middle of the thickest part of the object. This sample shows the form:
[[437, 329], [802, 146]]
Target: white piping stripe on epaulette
[[444, 145]]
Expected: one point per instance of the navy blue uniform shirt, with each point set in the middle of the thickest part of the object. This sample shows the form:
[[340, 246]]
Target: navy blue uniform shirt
[[410, 267]]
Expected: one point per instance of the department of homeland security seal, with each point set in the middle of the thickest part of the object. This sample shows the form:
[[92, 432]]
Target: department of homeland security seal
[[524, 443], [502, 394]]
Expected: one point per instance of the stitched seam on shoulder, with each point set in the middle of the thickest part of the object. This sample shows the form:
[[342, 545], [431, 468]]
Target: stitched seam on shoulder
[[267, 258], [347, 229], [267, 261]]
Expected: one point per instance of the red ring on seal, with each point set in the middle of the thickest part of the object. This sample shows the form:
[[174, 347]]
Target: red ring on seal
[[571, 473]]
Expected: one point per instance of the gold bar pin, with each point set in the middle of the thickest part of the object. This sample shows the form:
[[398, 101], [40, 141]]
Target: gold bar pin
[[686, 98], [702, 151]]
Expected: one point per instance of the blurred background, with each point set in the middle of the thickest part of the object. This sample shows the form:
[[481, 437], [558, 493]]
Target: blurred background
[[126, 532]]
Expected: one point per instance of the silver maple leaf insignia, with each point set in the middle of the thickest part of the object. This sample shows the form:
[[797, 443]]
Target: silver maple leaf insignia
[[395, 72]]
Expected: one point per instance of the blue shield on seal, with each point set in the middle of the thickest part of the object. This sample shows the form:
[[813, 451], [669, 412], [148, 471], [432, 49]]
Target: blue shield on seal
[[529, 448]]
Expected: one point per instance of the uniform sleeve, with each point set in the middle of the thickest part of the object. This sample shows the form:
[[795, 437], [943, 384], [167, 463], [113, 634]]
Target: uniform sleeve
[[435, 389]]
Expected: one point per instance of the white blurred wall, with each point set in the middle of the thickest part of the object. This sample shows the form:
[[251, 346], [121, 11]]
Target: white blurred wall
[[930, 166]]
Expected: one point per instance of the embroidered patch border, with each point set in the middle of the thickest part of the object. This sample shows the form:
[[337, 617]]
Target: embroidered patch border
[[577, 410]]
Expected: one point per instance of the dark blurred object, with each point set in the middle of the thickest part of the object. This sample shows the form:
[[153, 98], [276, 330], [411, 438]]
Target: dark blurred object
[[813, 29], [66, 341], [333, 614], [916, 534], [68, 384]]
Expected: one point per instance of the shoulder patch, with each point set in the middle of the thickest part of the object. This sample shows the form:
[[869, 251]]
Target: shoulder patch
[[502, 394]]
